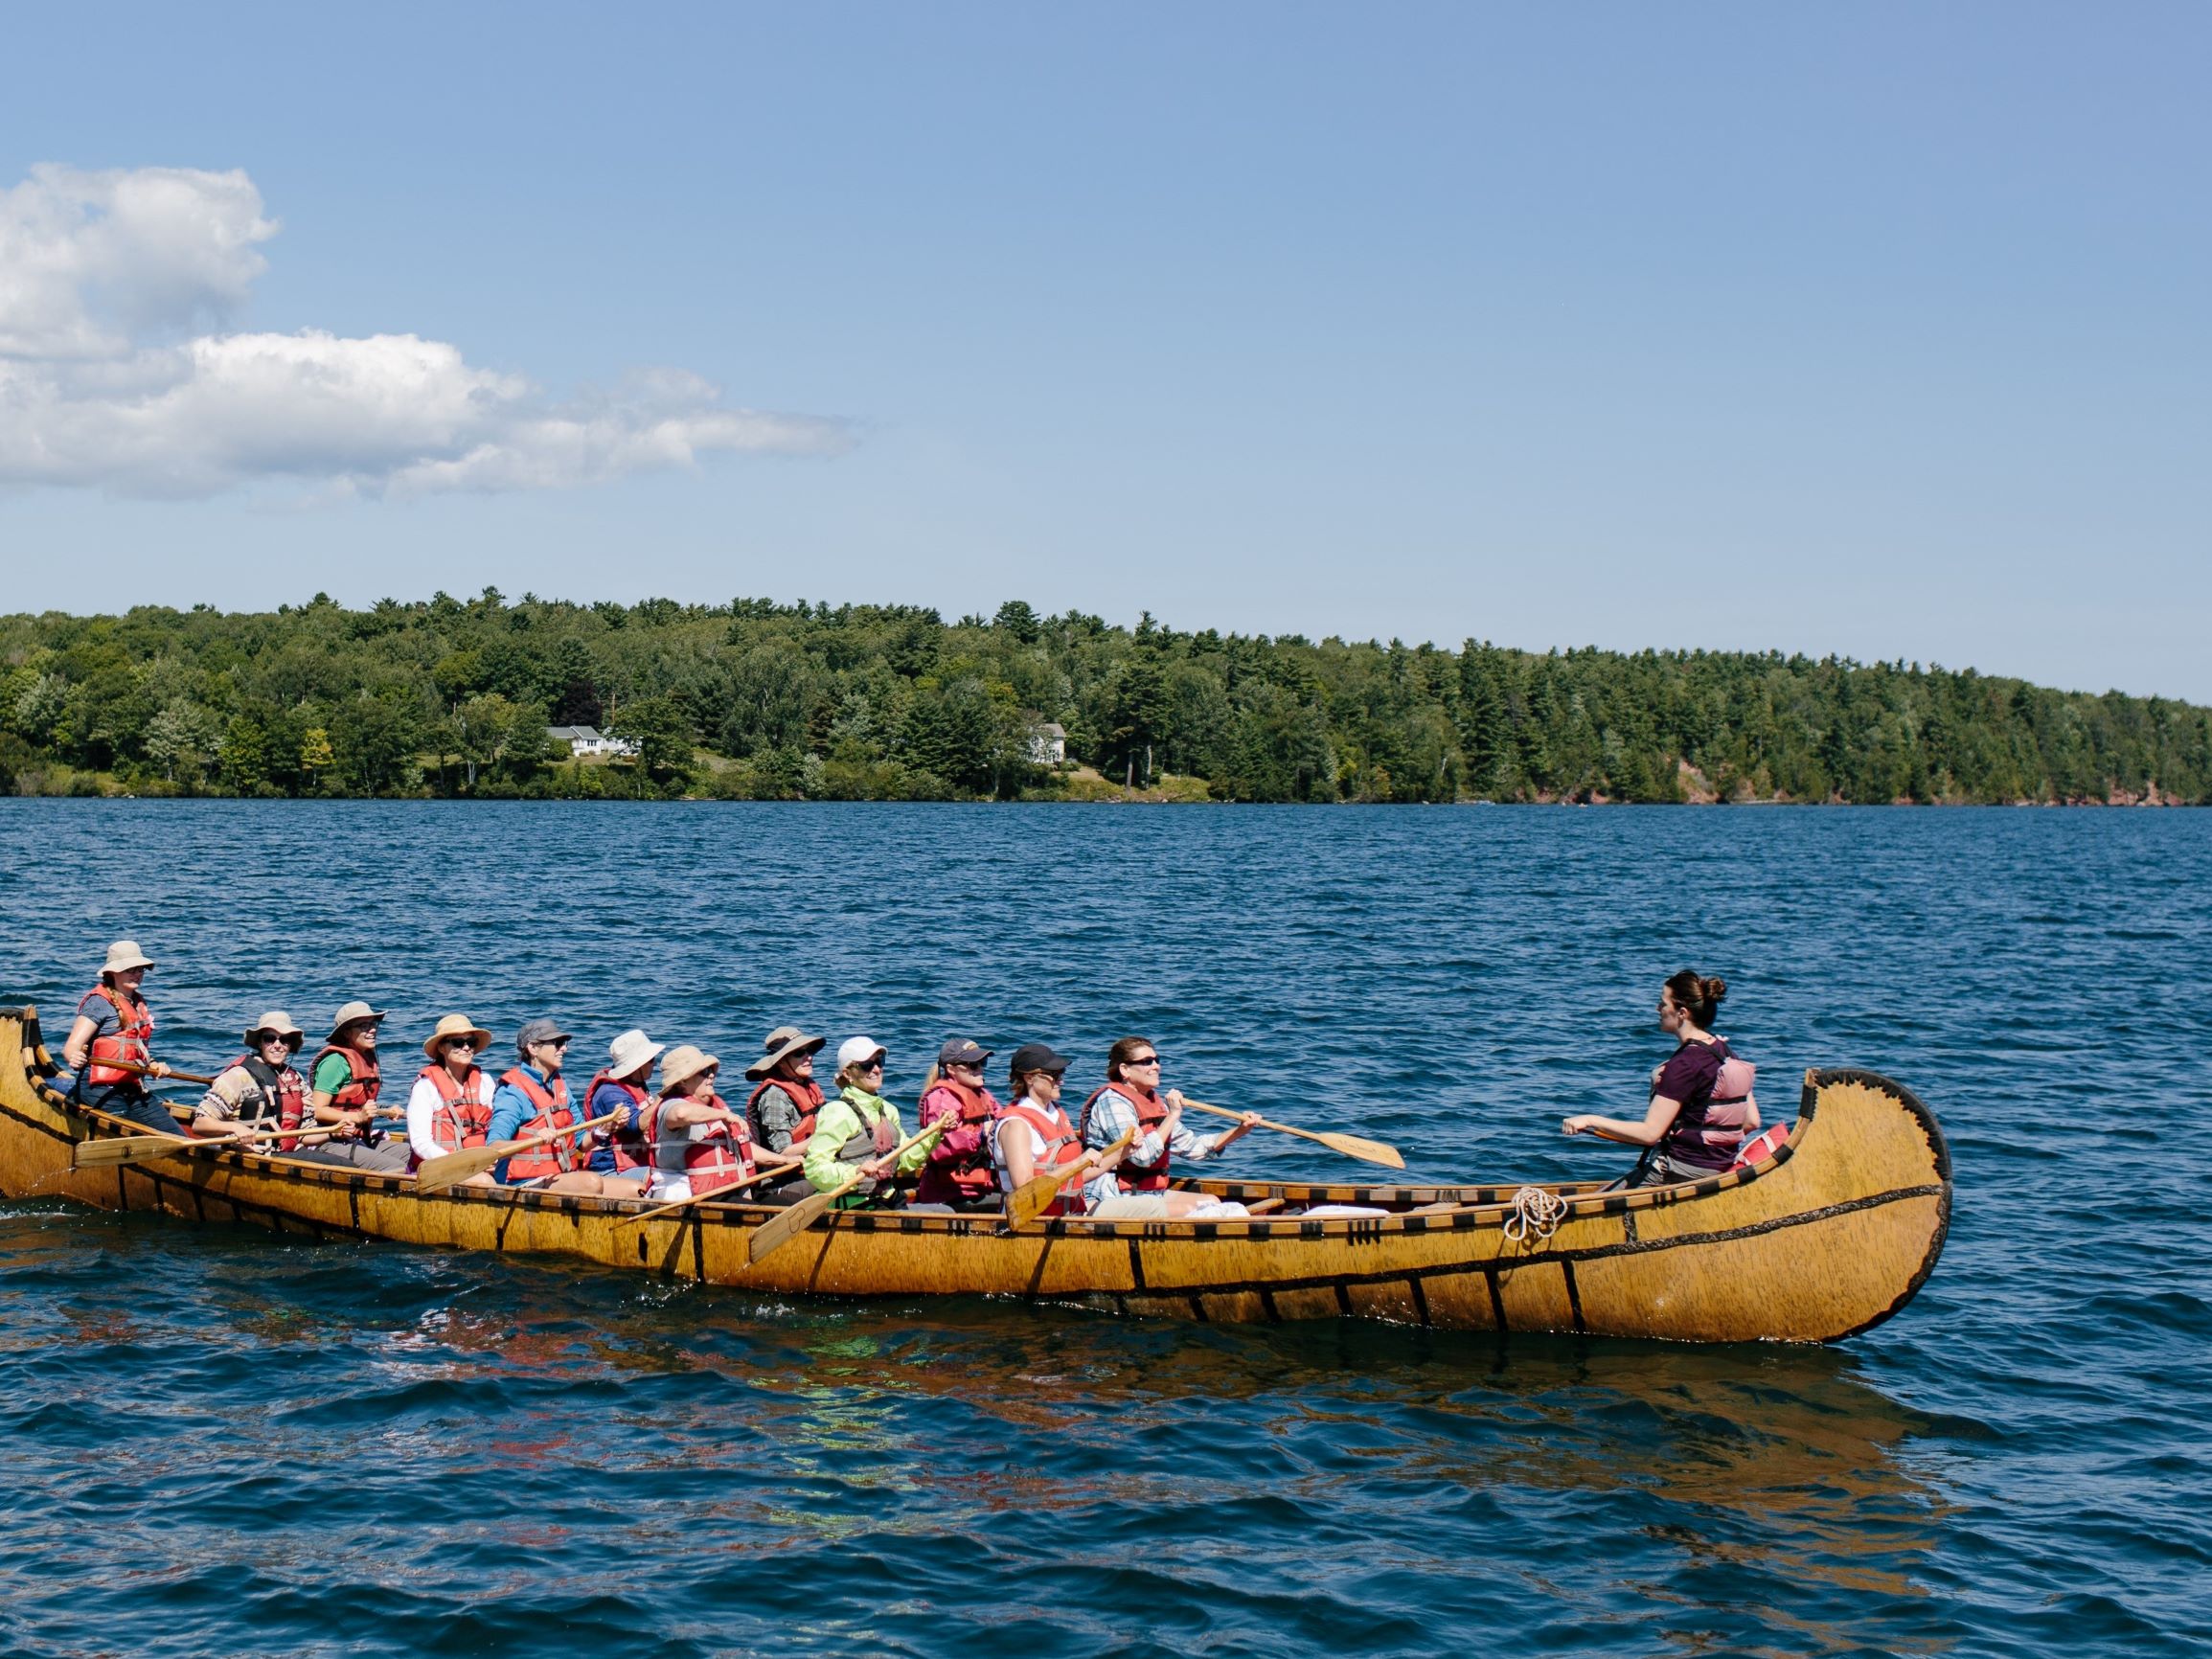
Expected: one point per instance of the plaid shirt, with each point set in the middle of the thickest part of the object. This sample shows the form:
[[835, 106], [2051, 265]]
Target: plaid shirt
[[1111, 1117]]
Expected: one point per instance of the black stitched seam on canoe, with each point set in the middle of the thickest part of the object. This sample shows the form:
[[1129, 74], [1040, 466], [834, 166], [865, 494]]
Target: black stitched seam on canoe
[[1136, 1265], [1496, 1298], [1419, 1297], [1574, 1294], [1591, 1252], [1199, 1307], [1926, 1265], [1343, 1296], [353, 1206], [1267, 1306], [699, 1248], [1627, 1223]]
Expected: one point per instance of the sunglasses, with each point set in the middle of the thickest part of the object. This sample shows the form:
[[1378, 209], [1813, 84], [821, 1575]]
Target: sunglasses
[[1148, 1060], [875, 1065]]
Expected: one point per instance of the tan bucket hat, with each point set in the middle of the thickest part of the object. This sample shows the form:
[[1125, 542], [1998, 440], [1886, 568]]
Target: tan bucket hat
[[782, 1042], [123, 956], [453, 1025], [682, 1064], [278, 1021], [631, 1051], [352, 1012]]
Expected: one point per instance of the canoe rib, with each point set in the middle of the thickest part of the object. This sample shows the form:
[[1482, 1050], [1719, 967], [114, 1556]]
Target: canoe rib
[[1833, 1234]]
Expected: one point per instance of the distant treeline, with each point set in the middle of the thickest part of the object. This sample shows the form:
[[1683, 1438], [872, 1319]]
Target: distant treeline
[[756, 699]]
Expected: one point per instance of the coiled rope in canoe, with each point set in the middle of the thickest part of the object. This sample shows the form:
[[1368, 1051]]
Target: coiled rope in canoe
[[1536, 1215]]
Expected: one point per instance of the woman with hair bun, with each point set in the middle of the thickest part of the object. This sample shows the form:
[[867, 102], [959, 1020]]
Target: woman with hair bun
[[1700, 1106]]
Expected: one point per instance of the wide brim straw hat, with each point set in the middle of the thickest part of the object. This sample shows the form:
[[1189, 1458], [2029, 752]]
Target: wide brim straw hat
[[352, 1013], [454, 1025], [682, 1064], [630, 1052], [278, 1021], [780, 1044], [123, 955]]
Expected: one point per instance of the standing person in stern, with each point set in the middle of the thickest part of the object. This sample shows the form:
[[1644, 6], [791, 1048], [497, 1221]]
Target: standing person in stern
[[107, 1046], [1137, 1189], [1682, 1136], [856, 1133], [343, 1085], [785, 1102], [533, 1098], [958, 1174]]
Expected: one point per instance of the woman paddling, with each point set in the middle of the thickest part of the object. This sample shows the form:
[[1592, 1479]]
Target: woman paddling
[[958, 1174], [1684, 1136], [695, 1129], [107, 1046], [1131, 1100], [621, 1152], [782, 1109], [532, 1100], [1033, 1136], [856, 1133], [449, 1108], [260, 1089]]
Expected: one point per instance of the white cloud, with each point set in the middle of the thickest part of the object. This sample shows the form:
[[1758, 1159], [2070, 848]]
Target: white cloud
[[103, 277]]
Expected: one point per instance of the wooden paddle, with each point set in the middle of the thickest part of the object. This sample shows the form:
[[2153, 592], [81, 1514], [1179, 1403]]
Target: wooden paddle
[[755, 1178], [138, 1149], [453, 1167], [1350, 1146], [773, 1235], [1038, 1192], [158, 1077]]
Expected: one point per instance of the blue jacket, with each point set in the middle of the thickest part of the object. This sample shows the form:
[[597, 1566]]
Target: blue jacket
[[515, 1113]]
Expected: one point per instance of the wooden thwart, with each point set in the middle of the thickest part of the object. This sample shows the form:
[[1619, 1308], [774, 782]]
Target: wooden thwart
[[1350, 1146]]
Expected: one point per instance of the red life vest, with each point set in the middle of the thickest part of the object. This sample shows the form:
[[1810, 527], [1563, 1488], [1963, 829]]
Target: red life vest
[[362, 1085], [283, 1091], [1762, 1146], [1062, 1147], [807, 1097], [723, 1153], [1152, 1112], [949, 1177], [126, 1044], [463, 1115], [631, 1147], [554, 1112]]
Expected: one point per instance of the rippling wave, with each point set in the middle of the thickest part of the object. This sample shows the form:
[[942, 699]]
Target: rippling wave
[[218, 1441]]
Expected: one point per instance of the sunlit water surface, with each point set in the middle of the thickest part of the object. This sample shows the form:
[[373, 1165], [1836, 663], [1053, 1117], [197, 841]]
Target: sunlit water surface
[[218, 1442]]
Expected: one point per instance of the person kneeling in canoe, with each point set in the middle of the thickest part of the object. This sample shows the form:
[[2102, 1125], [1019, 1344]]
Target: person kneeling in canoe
[[786, 1102], [958, 1174], [856, 1134], [696, 1128], [1693, 1127], [343, 1085], [450, 1109], [621, 1152], [107, 1046], [1131, 1100], [1033, 1136], [532, 1099], [260, 1089]]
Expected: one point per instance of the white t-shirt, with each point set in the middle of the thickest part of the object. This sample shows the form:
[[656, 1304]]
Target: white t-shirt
[[423, 1103], [1039, 1145]]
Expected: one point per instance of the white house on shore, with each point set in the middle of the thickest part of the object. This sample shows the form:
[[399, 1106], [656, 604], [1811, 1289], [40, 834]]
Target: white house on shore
[[583, 740], [1047, 744]]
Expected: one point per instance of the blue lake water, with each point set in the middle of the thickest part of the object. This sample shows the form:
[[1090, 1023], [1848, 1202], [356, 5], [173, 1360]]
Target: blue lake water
[[218, 1443]]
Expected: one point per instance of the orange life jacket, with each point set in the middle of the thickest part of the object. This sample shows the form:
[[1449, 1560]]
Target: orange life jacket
[[807, 1096], [633, 1149], [463, 1115], [126, 1044], [723, 1153], [363, 1082], [555, 1111], [1152, 1112], [968, 1173], [1062, 1147]]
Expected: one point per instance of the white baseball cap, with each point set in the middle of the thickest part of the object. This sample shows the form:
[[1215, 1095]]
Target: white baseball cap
[[858, 1052]]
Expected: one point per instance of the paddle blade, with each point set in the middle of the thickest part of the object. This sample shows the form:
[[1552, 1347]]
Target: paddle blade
[[453, 1167], [780, 1230], [124, 1150], [1033, 1197], [1366, 1152]]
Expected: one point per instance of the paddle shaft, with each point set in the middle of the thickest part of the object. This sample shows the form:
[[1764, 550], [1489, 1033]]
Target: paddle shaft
[[1350, 1146], [754, 1179], [1038, 1192], [779, 1231], [158, 1077], [444, 1171], [138, 1149]]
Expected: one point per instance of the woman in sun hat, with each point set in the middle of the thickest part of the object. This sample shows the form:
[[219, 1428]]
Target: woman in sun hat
[[344, 1081], [107, 1046], [260, 1089], [623, 1151], [699, 1140], [786, 1102], [450, 1109], [856, 1133]]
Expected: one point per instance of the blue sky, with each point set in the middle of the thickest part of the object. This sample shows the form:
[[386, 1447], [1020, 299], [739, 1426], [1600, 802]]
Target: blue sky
[[1875, 329]]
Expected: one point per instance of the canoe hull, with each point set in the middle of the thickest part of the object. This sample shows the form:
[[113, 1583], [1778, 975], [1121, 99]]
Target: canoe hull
[[1833, 1235]]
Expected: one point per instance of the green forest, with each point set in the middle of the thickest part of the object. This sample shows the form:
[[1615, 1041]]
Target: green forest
[[757, 699]]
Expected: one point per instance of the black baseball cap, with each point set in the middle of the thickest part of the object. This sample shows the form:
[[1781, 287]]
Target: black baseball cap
[[1038, 1057]]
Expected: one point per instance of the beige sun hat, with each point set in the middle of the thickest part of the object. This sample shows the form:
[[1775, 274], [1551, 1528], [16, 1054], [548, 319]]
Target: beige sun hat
[[682, 1064], [631, 1051], [352, 1012], [278, 1021], [123, 956], [780, 1044], [453, 1025]]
